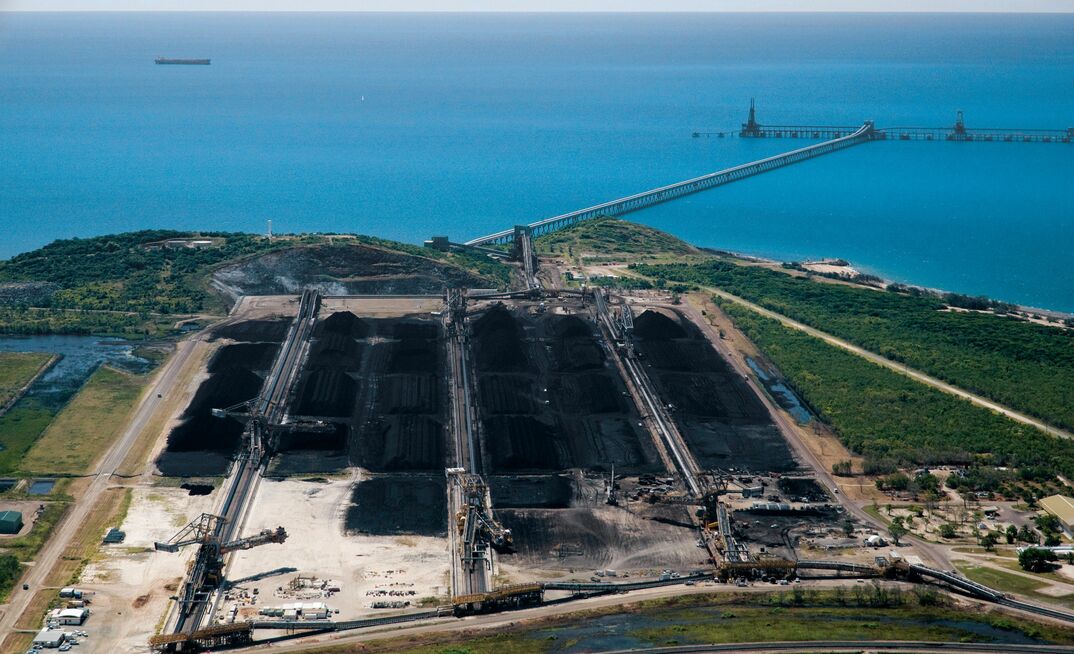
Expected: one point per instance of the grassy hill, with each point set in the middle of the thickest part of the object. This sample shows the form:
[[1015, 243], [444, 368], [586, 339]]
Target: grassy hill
[[606, 236], [132, 284]]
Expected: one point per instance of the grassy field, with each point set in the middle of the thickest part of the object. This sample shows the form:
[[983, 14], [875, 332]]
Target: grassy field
[[87, 425], [727, 618], [16, 369], [19, 428], [888, 417], [1009, 582]]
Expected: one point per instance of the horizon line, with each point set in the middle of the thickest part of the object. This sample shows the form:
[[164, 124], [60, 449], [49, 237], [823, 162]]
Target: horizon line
[[539, 11]]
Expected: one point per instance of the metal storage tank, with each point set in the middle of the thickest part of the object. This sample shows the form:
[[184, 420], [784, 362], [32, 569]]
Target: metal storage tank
[[10, 522]]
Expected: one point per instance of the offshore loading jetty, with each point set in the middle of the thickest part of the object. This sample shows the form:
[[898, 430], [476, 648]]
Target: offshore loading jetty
[[183, 62]]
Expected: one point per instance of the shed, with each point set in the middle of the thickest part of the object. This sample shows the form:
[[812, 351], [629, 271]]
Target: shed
[[1061, 507], [10, 522], [49, 638]]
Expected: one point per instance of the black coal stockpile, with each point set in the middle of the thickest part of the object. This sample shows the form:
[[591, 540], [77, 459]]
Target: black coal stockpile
[[333, 441], [202, 444], [392, 505], [400, 408], [255, 331], [655, 326], [343, 322], [326, 391], [335, 351], [549, 399], [404, 443], [722, 419], [498, 342], [521, 443], [249, 356]]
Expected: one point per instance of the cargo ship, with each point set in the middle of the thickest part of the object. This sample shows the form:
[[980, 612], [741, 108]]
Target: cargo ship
[[182, 62]]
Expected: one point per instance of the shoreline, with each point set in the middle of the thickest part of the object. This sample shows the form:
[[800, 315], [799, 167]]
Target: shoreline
[[842, 269]]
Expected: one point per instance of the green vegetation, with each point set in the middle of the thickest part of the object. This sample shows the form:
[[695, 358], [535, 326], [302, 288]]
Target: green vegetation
[[16, 370], [611, 236], [858, 613], [120, 273], [1026, 366], [890, 418], [124, 284], [10, 571], [1011, 582], [1035, 559], [86, 426], [19, 428]]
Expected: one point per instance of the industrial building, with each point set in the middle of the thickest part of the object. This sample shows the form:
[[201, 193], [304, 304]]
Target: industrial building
[[1061, 507], [10, 522], [73, 616], [50, 638]]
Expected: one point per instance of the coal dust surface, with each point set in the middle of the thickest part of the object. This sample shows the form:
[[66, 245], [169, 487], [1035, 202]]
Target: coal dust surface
[[390, 505], [723, 421], [549, 397]]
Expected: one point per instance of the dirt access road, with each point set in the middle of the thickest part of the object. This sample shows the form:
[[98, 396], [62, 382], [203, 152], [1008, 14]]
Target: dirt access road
[[46, 558], [912, 373]]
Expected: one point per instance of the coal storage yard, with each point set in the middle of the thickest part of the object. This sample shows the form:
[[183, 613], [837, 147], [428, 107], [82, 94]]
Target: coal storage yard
[[723, 421]]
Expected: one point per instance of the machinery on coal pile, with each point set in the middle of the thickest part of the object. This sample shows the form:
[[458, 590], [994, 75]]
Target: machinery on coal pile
[[206, 574], [475, 521]]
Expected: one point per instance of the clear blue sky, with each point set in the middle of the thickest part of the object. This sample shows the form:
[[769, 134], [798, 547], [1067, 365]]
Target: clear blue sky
[[540, 5]]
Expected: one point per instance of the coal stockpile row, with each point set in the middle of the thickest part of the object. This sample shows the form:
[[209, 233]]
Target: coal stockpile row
[[395, 505], [250, 356], [403, 443], [723, 421], [400, 406], [202, 444], [326, 391], [334, 440], [255, 331], [549, 398]]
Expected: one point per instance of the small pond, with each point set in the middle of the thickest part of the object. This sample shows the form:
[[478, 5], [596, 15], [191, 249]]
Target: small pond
[[783, 395], [40, 486]]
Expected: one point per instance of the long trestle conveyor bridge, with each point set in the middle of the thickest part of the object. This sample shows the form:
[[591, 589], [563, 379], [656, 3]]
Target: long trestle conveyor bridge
[[838, 138]]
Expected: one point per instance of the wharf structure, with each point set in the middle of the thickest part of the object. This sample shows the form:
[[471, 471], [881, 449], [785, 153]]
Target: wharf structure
[[837, 137]]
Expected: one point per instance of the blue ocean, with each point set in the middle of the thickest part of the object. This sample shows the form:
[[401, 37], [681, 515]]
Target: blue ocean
[[408, 125]]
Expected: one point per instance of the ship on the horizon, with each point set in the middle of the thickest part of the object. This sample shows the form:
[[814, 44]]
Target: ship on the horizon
[[184, 62]]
